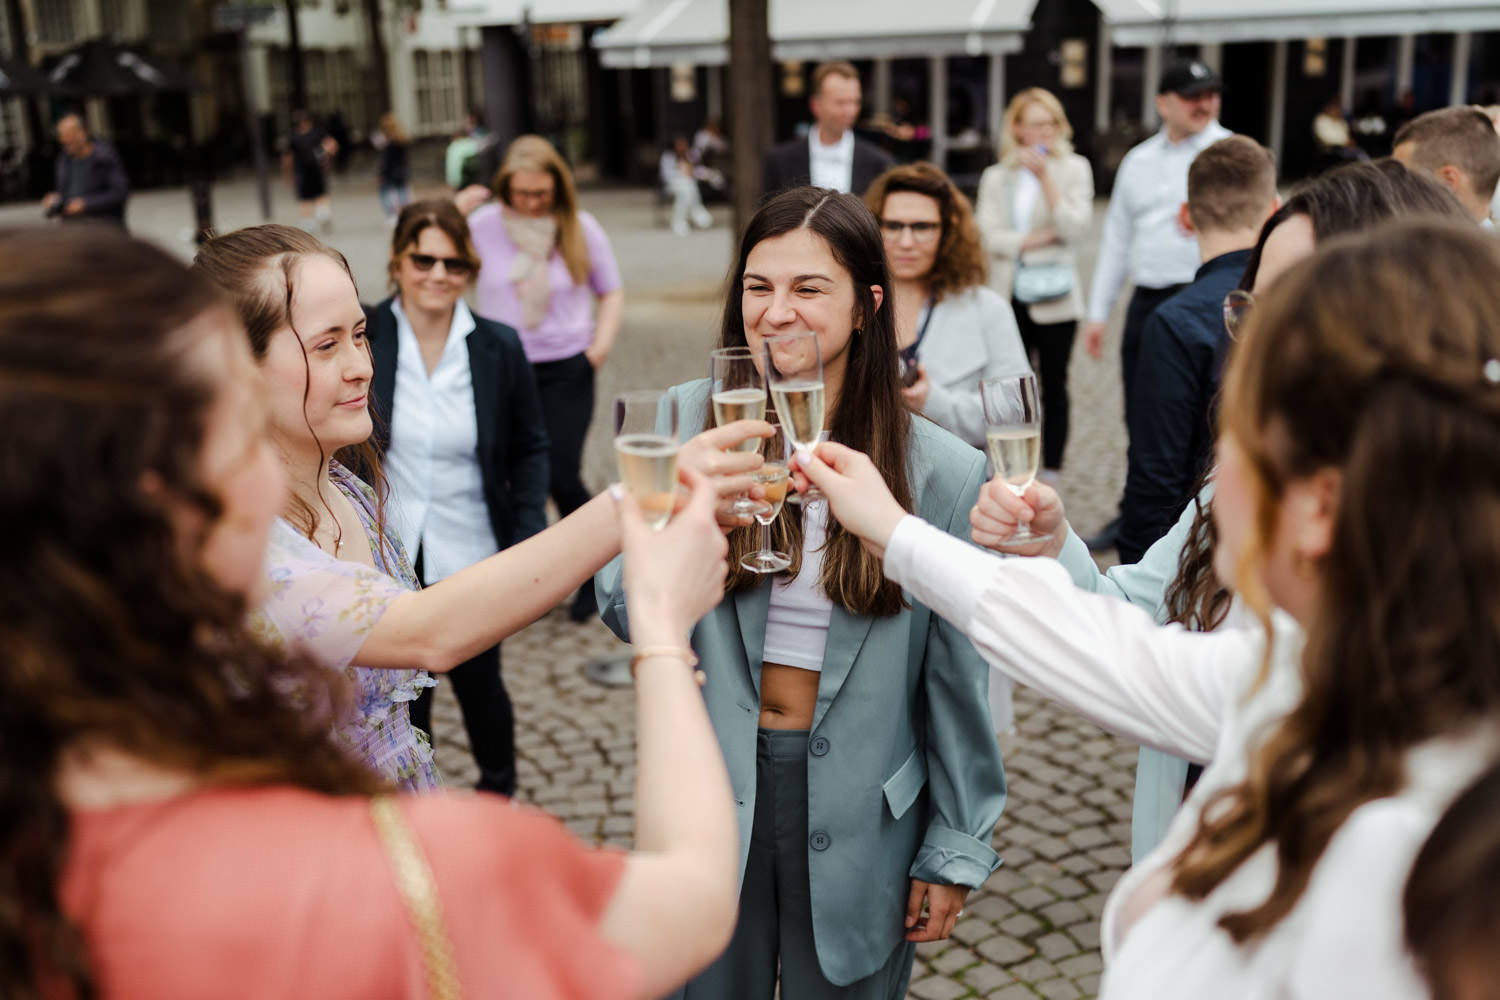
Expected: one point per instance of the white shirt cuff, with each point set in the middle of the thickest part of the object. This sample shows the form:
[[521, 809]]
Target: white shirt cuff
[[945, 573]]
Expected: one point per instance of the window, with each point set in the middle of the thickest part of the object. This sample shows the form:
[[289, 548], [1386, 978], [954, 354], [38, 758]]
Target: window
[[421, 67], [447, 89], [55, 23]]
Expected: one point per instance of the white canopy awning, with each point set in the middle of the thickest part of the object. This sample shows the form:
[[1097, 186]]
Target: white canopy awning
[[1152, 22], [663, 32], [481, 13]]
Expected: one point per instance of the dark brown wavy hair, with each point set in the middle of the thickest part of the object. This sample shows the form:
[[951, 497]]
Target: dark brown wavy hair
[[961, 262], [869, 415], [1371, 358], [1450, 905], [1348, 199], [113, 635], [256, 269]]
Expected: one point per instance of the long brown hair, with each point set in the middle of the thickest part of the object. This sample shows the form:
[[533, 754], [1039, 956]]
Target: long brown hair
[[869, 414], [256, 269], [532, 152], [1348, 199], [113, 634], [961, 262], [1375, 358]]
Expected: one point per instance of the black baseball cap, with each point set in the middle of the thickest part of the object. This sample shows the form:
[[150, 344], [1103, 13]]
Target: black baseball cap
[[1189, 79]]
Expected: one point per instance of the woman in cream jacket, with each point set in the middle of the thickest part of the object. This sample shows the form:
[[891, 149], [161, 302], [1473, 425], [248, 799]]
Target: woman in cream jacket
[[1034, 207]]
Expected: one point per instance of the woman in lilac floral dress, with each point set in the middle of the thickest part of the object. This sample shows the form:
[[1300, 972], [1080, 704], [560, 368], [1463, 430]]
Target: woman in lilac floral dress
[[341, 584]]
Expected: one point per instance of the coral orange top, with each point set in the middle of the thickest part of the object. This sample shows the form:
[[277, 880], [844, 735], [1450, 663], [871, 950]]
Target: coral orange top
[[278, 892]]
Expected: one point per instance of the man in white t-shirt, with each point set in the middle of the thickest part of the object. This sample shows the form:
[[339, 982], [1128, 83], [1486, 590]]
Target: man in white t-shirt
[[1143, 239], [831, 156]]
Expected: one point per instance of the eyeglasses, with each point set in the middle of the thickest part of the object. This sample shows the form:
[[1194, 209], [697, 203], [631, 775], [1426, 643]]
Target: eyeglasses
[[1237, 307], [456, 266], [922, 232]]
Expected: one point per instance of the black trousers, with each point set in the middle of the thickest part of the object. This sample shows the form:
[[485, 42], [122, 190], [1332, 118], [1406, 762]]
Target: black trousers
[[566, 387], [1142, 304], [488, 716], [1049, 345]]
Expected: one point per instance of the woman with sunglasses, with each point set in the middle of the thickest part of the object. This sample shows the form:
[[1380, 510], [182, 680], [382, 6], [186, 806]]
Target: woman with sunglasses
[[464, 442], [951, 329], [549, 273]]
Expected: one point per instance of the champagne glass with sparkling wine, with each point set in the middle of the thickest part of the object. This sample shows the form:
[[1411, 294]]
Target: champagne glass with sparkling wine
[[646, 451], [773, 478], [794, 374], [738, 390], [1013, 431]]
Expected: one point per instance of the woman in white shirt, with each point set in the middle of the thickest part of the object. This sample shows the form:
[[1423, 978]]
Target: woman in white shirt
[[1034, 207], [464, 441], [1356, 494]]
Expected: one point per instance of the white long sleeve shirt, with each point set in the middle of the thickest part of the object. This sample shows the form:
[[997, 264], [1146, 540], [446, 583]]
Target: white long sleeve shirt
[[432, 464], [1198, 696], [1142, 239]]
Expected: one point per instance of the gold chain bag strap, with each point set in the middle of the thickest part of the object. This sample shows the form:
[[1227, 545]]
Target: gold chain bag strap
[[418, 890]]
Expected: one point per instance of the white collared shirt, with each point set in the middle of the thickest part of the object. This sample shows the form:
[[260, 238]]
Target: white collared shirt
[[831, 166], [1142, 239], [1028, 188], [437, 490]]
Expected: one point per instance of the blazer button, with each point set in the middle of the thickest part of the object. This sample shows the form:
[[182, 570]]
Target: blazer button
[[819, 746], [820, 841]]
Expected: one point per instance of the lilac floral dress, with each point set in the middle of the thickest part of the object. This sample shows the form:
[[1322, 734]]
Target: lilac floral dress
[[328, 607]]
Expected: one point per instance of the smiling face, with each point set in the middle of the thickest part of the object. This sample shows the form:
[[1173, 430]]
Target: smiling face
[[317, 370], [912, 225], [436, 289], [793, 283]]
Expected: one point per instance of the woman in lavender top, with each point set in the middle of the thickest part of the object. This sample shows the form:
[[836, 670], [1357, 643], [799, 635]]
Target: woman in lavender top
[[548, 271]]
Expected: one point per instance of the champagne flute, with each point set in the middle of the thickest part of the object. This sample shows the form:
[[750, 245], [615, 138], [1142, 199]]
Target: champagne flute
[[738, 391], [1013, 431], [646, 451], [774, 479], [794, 374]]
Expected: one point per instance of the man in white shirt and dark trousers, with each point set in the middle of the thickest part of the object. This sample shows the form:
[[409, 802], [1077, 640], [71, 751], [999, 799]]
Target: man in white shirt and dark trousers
[[831, 156], [1143, 239]]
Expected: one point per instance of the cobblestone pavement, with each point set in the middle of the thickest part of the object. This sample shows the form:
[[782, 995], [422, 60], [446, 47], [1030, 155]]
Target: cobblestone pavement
[[1033, 929]]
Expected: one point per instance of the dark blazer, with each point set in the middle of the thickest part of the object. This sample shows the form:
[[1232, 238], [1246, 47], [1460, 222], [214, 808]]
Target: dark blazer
[[789, 165], [512, 435], [1172, 413], [106, 186]]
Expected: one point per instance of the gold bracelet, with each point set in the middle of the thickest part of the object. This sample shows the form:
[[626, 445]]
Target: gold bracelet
[[675, 652]]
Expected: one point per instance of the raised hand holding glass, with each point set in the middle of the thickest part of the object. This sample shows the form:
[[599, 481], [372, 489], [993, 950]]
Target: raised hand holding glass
[[646, 451], [1013, 432]]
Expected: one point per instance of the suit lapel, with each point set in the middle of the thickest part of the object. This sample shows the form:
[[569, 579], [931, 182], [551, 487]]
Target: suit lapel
[[484, 376], [846, 637], [750, 607]]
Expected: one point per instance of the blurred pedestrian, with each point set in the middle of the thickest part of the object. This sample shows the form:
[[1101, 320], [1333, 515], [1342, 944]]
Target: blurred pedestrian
[[393, 174], [1142, 239], [460, 427], [305, 161], [679, 176], [1332, 133], [91, 182], [549, 272], [179, 823], [831, 156], [1034, 209]]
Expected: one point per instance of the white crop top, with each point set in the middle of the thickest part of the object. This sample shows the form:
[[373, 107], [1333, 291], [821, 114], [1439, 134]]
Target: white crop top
[[797, 620]]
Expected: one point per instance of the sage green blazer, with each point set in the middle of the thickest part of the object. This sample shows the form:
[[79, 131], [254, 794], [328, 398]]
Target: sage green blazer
[[904, 778]]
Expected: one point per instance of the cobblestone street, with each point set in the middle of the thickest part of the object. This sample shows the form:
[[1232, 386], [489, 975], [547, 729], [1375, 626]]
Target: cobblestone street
[[1033, 929]]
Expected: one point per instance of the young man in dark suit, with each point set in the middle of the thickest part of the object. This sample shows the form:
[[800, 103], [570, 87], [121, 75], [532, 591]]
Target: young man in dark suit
[[831, 155]]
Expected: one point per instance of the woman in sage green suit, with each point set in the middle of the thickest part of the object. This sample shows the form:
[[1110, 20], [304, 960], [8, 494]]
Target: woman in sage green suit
[[868, 779]]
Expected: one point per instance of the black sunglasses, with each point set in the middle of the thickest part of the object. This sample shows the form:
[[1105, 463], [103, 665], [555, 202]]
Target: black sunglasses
[[456, 266]]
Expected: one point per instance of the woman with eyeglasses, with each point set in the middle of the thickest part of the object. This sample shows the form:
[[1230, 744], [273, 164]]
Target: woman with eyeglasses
[[549, 273], [1034, 208], [952, 331], [460, 426]]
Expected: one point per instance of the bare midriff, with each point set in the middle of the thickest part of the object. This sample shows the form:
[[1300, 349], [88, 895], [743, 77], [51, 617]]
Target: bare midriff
[[787, 696]]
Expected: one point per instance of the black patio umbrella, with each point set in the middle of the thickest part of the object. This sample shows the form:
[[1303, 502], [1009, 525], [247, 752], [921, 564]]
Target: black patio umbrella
[[19, 80], [101, 68]]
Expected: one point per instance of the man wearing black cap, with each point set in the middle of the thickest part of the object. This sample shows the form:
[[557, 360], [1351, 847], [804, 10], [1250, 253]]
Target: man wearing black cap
[[1142, 238]]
